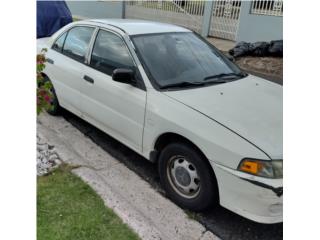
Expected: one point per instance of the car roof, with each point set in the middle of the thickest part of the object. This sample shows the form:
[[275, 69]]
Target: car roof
[[135, 26]]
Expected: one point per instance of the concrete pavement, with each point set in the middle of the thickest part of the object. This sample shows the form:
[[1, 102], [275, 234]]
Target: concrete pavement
[[147, 212], [222, 44]]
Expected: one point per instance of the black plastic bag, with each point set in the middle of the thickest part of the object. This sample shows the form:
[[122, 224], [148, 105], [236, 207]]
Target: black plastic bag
[[276, 48], [258, 49], [241, 49]]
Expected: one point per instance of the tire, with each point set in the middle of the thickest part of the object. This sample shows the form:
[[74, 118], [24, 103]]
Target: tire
[[187, 177], [55, 107]]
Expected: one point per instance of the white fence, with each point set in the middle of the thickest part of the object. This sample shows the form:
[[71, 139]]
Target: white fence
[[225, 19], [189, 14], [270, 8], [225, 14]]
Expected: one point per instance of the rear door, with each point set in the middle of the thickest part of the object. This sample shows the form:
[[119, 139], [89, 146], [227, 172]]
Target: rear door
[[65, 65], [114, 107]]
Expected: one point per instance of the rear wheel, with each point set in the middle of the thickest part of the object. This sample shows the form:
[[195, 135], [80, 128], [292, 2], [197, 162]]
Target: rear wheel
[[55, 108], [187, 177]]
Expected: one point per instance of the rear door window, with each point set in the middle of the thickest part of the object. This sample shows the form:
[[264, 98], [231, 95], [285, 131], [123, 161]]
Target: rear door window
[[77, 42]]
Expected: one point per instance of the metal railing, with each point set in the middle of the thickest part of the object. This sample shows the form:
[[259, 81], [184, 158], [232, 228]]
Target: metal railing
[[189, 14], [225, 19], [270, 8], [192, 7], [184, 13]]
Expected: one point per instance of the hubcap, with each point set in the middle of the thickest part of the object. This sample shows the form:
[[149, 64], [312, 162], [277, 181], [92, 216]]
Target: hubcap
[[183, 177]]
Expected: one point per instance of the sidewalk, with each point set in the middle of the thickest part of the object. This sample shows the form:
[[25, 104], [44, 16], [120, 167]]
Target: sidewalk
[[147, 212]]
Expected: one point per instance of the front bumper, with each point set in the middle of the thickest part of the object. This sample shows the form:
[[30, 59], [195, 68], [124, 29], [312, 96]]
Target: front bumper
[[255, 198]]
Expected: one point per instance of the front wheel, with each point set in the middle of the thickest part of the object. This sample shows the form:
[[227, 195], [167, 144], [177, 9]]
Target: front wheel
[[187, 177]]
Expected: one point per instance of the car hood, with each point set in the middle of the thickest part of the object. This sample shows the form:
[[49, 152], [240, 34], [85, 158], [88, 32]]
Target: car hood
[[250, 107]]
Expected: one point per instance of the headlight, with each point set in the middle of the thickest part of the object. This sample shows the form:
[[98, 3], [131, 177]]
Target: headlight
[[268, 169]]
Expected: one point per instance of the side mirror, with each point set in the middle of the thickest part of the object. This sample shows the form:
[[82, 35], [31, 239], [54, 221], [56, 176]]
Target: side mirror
[[123, 75]]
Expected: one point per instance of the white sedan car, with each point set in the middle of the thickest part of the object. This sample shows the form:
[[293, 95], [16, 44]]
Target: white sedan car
[[214, 131]]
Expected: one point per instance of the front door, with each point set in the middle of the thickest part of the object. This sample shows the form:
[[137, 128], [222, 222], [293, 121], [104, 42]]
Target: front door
[[116, 108]]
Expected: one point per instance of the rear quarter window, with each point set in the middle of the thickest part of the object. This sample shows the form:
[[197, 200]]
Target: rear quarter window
[[58, 45]]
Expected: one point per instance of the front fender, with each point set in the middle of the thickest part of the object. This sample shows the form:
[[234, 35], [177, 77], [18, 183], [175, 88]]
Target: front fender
[[218, 144]]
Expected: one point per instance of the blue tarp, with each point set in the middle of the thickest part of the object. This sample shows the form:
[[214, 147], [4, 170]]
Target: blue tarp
[[51, 16]]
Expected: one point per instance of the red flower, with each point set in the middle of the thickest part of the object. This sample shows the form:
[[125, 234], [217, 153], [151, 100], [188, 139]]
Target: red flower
[[47, 98]]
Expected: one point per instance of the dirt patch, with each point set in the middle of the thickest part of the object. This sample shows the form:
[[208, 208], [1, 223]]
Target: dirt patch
[[267, 67]]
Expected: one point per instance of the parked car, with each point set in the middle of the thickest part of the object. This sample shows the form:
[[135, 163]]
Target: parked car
[[214, 131]]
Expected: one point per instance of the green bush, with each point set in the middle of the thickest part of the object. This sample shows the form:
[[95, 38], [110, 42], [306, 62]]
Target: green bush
[[44, 94]]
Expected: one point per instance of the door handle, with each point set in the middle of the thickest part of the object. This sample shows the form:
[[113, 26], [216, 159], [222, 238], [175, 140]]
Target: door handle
[[88, 79], [49, 60]]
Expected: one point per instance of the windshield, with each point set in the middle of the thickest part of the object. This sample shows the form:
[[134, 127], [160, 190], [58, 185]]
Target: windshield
[[174, 58]]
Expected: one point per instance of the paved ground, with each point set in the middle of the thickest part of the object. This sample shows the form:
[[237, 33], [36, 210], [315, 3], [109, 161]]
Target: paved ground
[[222, 44], [147, 212], [220, 221]]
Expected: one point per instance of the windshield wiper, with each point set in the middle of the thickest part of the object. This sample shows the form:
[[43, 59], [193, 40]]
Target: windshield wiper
[[188, 84], [182, 84], [223, 75]]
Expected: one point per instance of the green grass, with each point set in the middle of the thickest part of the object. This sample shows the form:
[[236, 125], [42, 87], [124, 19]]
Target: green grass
[[68, 208]]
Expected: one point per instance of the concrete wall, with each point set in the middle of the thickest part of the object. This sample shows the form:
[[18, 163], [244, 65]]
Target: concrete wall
[[253, 28], [96, 9]]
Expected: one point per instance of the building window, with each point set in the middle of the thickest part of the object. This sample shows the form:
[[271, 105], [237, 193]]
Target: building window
[[270, 8]]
